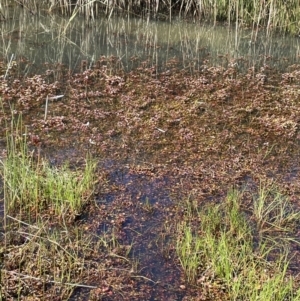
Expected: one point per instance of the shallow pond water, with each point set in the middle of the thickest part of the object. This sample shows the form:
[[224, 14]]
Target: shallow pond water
[[159, 135], [42, 39]]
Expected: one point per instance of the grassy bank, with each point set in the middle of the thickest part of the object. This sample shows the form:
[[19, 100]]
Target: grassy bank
[[281, 15]]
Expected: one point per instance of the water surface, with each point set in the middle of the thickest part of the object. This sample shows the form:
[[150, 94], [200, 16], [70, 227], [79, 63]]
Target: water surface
[[49, 39]]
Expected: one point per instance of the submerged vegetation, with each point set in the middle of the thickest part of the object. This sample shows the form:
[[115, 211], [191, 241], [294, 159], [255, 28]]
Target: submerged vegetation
[[117, 180], [236, 249], [280, 15], [122, 229]]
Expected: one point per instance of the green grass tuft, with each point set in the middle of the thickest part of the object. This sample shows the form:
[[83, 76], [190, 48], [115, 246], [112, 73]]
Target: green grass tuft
[[247, 261], [31, 185]]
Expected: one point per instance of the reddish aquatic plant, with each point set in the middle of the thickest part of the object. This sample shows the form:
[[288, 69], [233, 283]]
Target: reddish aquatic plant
[[175, 134]]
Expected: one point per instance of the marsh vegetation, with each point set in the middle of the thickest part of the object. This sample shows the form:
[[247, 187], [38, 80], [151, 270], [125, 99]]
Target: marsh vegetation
[[154, 168], [194, 135], [281, 15], [228, 246]]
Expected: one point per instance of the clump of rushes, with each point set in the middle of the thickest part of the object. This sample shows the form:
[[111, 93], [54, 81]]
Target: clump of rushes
[[224, 246], [32, 186]]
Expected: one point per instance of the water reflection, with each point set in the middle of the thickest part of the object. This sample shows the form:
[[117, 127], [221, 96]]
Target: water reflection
[[41, 39]]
